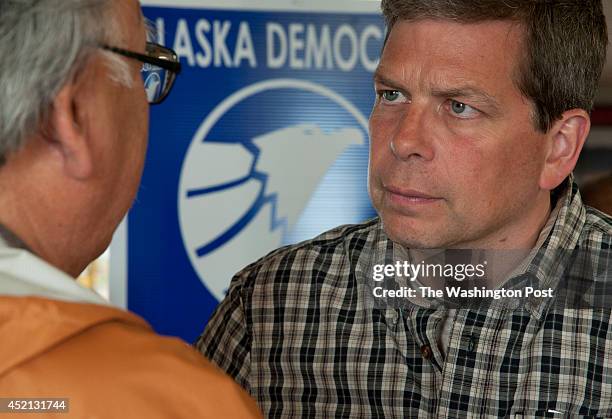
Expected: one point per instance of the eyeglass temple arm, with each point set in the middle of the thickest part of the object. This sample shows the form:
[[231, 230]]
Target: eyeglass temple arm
[[173, 66]]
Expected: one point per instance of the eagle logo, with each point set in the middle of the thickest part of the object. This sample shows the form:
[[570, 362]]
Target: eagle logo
[[239, 197]]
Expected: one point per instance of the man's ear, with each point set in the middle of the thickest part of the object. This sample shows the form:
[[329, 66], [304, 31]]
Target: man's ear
[[565, 140], [68, 132]]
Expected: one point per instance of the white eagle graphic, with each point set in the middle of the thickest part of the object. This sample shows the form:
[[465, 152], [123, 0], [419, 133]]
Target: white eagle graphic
[[250, 196]]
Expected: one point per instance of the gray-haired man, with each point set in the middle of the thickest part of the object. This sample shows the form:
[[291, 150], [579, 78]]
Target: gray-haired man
[[73, 134], [482, 110]]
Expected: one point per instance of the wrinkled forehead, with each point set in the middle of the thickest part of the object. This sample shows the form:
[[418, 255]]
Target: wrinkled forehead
[[515, 27], [474, 41], [485, 51]]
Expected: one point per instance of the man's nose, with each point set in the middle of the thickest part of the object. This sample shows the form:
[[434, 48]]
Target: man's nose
[[412, 135]]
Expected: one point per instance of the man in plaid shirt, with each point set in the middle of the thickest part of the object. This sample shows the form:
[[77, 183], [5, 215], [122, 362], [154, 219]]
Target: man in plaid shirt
[[482, 110]]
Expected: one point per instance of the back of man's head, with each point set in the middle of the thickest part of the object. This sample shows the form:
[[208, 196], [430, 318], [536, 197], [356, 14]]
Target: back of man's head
[[64, 121], [565, 45], [43, 43]]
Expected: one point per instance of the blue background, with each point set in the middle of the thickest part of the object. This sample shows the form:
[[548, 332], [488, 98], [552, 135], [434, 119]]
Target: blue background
[[162, 285]]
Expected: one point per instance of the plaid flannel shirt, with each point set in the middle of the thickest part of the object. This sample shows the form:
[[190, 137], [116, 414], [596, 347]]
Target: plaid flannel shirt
[[296, 332]]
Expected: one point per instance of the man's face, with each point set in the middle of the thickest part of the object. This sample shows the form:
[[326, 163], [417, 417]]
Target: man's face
[[455, 158]]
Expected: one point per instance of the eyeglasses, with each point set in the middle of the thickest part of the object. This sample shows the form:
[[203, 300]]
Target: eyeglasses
[[160, 68]]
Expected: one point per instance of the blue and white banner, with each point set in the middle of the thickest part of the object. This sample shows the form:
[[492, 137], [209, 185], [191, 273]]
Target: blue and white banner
[[262, 142]]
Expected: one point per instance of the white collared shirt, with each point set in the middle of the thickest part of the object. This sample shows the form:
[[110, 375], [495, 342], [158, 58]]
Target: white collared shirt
[[24, 274]]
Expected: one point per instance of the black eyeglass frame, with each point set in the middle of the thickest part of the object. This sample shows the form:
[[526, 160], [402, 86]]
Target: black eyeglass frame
[[165, 58]]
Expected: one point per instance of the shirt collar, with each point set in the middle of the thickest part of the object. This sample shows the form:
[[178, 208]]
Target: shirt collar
[[24, 274], [549, 259]]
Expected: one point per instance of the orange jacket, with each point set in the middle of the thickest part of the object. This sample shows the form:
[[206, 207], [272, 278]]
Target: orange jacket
[[109, 364]]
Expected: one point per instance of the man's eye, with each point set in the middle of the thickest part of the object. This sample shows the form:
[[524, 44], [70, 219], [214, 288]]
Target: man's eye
[[461, 110], [390, 95]]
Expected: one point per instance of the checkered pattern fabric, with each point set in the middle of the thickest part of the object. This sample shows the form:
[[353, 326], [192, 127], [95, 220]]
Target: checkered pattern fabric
[[297, 333]]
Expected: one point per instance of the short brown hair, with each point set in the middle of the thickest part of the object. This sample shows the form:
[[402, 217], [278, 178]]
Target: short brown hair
[[565, 40]]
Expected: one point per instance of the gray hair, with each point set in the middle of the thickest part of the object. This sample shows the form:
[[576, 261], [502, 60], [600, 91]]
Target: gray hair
[[43, 43]]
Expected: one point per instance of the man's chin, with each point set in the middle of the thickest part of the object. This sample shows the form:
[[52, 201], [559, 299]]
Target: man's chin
[[414, 236]]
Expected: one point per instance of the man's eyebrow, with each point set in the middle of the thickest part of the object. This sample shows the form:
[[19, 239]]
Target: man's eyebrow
[[380, 78], [469, 92]]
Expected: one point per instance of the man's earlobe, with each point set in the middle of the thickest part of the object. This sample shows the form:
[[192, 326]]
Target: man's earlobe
[[566, 139], [68, 134]]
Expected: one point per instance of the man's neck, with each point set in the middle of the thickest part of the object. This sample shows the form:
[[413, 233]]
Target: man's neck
[[38, 213], [35, 237]]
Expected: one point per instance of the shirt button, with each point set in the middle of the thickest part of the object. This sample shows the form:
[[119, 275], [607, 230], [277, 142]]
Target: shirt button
[[470, 342], [426, 351]]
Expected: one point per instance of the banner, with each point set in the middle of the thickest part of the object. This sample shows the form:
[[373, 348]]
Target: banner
[[262, 142]]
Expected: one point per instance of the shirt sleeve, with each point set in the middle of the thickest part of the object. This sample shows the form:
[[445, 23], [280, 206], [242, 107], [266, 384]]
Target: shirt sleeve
[[226, 340]]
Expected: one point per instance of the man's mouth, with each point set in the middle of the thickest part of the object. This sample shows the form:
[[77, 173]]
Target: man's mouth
[[405, 196]]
